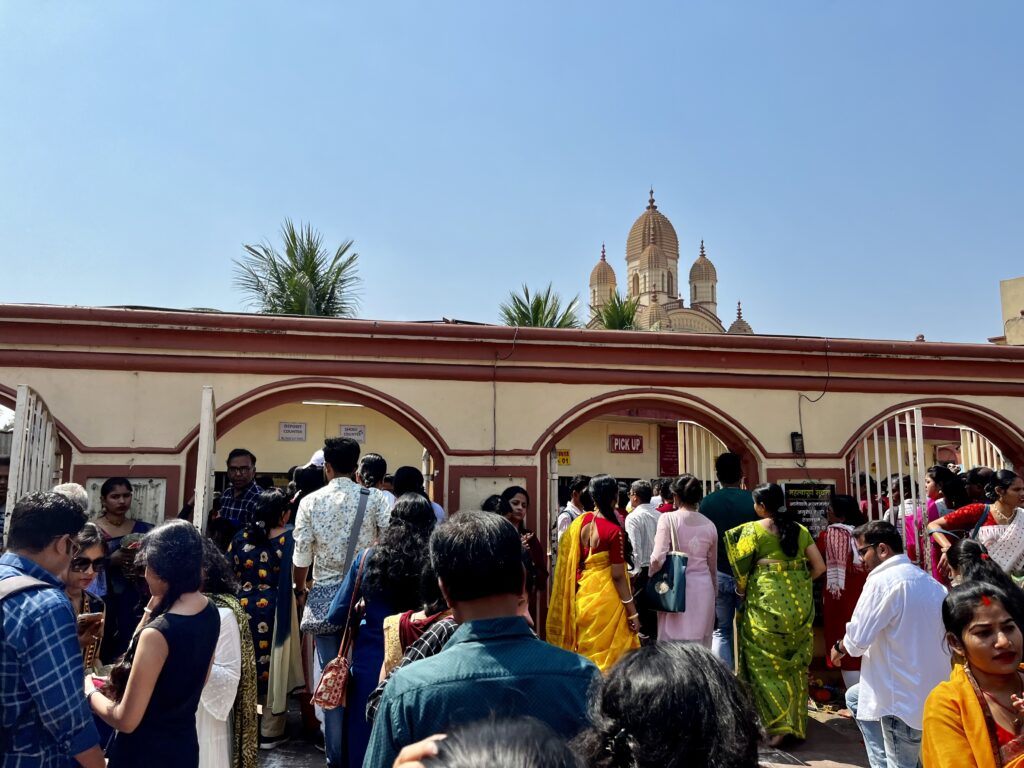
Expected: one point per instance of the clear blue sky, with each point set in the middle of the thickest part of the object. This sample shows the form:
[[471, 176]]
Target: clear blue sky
[[855, 168]]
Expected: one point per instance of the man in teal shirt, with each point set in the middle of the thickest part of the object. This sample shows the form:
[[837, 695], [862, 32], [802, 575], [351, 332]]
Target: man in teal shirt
[[493, 666], [726, 508]]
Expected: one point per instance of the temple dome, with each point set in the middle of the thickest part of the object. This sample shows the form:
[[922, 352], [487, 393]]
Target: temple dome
[[739, 325], [653, 315], [652, 257], [602, 274], [652, 226], [703, 270]]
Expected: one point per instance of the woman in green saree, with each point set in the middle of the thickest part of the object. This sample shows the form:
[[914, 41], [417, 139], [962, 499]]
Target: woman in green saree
[[774, 560]]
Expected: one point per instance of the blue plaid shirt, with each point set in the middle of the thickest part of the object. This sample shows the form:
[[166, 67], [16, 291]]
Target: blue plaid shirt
[[239, 509], [44, 718]]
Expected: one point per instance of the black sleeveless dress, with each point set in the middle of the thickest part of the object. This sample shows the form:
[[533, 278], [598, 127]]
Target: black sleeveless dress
[[167, 734]]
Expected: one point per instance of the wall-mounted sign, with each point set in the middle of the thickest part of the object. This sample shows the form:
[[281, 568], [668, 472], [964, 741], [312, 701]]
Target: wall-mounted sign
[[563, 457], [810, 501], [668, 451], [625, 443], [355, 432], [291, 431]]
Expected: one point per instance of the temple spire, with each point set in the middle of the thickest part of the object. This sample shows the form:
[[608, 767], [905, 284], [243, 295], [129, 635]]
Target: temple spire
[[701, 249], [650, 203], [739, 310], [602, 253]]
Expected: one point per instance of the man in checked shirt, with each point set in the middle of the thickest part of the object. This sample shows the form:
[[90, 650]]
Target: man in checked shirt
[[45, 721]]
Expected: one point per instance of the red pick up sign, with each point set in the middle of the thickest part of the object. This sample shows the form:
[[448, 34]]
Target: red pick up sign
[[625, 443]]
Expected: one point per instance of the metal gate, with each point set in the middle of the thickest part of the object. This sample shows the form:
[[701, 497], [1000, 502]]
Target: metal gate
[[204, 459], [886, 468], [698, 450], [35, 450]]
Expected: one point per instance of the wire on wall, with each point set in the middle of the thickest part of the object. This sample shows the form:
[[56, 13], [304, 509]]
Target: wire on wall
[[802, 461]]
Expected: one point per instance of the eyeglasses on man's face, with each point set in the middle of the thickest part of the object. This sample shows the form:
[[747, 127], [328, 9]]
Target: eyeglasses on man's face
[[862, 550], [240, 470]]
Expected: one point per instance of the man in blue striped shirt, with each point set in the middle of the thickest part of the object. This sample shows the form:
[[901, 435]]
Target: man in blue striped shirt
[[45, 721]]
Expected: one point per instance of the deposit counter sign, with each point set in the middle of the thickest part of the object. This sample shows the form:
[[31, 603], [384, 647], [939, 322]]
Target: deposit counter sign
[[810, 502], [625, 443]]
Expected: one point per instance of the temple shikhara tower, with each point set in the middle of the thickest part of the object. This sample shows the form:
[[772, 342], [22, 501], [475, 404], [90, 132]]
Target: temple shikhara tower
[[652, 276]]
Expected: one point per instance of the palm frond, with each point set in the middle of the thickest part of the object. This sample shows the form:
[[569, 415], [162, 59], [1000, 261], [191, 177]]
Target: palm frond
[[618, 314], [538, 310]]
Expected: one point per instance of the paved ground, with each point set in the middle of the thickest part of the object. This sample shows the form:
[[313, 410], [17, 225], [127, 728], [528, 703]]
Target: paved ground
[[832, 742]]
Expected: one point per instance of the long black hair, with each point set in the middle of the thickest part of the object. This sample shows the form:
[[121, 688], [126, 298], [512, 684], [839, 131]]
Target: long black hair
[[973, 564], [604, 490], [670, 705], [774, 500], [396, 566], [218, 575], [174, 552], [510, 493], [270, 509]]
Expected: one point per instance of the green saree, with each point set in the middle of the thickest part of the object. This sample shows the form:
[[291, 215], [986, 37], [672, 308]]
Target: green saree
[[776, 637]]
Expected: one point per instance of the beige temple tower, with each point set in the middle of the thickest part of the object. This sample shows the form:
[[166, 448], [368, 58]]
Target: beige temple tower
[[652, 276]]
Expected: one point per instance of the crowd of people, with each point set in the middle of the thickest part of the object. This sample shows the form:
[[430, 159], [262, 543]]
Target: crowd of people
[[679, 628]]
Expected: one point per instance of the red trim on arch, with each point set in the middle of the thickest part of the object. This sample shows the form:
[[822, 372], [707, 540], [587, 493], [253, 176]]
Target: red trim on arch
[[979, 418], [271, 395]]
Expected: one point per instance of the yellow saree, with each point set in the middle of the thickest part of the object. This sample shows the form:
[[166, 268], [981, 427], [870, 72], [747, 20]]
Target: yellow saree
[[958, 733], [587, 617]]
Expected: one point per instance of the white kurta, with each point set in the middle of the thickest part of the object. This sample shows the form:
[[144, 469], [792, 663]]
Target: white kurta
[[213, 724]]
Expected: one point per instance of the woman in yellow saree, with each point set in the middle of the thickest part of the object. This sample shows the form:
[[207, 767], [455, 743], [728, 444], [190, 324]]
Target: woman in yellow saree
[[975, 718], [774, 560], [591, 610]]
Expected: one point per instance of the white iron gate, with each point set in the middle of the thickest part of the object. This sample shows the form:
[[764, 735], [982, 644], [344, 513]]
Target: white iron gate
[[204, 459], [35, 450], [698, 450]]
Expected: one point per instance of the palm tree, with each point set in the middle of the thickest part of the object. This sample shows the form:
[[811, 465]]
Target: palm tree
[[618, 314], [539, 310], [305, 280]]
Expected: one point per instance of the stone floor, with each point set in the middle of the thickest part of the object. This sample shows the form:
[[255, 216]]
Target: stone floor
[[832, 742]]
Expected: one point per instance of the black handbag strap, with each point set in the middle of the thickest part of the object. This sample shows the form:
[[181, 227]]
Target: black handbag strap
[[357, 526], [981, 522]]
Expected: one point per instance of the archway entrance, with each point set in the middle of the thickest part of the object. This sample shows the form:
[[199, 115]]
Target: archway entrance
[[886, 461], [285, 423]]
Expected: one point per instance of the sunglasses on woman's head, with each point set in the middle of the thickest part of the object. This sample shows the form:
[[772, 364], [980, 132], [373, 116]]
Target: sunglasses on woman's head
[[81, 564]]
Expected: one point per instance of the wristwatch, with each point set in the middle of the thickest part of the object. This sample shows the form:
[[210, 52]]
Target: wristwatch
[[838, 648]]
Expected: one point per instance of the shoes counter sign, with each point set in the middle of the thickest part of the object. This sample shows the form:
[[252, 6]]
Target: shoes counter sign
[[355, 432], [625, 443], [291, 431]]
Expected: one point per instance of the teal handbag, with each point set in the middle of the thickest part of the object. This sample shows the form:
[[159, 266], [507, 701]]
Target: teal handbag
[[666, 590]]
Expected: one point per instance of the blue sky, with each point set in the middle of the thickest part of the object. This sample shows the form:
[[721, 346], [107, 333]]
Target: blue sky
[[854, 168]]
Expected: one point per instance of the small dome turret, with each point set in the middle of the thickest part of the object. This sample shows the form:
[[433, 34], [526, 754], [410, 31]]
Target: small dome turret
[[739, 325]]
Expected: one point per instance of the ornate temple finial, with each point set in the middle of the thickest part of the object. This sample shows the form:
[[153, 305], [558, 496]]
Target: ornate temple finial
[[702, 249], [602, 253], [650, 203], [739, 310]]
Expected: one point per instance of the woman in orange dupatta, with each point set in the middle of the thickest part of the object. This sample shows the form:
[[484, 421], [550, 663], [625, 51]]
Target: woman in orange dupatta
[[975, 718], [591, 610]]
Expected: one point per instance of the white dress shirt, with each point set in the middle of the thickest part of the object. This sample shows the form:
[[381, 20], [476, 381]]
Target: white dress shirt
[[642, 525], [897, 628]]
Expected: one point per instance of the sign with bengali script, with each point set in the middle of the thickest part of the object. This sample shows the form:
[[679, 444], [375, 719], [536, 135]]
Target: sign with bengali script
[[668, 451], [810, 502], [625, 444], [563, 457]]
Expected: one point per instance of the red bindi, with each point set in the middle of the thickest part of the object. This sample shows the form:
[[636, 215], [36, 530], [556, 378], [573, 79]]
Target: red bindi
[[985, 600]]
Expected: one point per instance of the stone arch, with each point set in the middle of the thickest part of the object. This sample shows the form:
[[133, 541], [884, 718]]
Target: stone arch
[[679, 404], [1008, 438], [265, 397]]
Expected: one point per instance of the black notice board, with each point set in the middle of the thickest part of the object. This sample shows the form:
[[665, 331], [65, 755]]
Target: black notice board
[[810, 502]]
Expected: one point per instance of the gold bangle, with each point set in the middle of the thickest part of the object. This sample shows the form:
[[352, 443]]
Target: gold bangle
[[634, 616]]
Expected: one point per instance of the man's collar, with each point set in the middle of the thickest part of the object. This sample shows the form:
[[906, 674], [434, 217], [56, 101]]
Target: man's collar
[[235, 494], [645, 507], [890, 562], [490, 629], [30, 568]]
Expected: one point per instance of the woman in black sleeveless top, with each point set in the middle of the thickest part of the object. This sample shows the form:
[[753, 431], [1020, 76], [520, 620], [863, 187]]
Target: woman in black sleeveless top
[[156, 717]]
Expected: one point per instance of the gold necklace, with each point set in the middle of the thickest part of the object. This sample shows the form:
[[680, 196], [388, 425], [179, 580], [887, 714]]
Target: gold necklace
[[1000, 517]]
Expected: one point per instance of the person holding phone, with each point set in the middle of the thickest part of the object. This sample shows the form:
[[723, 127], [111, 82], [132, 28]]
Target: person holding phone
[[88, 561]]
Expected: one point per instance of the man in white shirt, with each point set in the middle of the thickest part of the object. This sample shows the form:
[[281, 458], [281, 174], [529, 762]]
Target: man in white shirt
[[897, 629], [574, 507], [641, 526]]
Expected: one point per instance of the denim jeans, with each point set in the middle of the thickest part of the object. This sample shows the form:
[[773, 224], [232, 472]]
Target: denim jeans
[[327, 647], [890, 742], [725, 610]]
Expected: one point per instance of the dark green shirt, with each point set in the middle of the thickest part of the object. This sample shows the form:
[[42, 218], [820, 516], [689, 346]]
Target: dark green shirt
[[727, 508], [489, 667]]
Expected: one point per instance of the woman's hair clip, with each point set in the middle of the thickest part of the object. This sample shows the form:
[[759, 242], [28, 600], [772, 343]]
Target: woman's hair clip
[[618, 743]]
